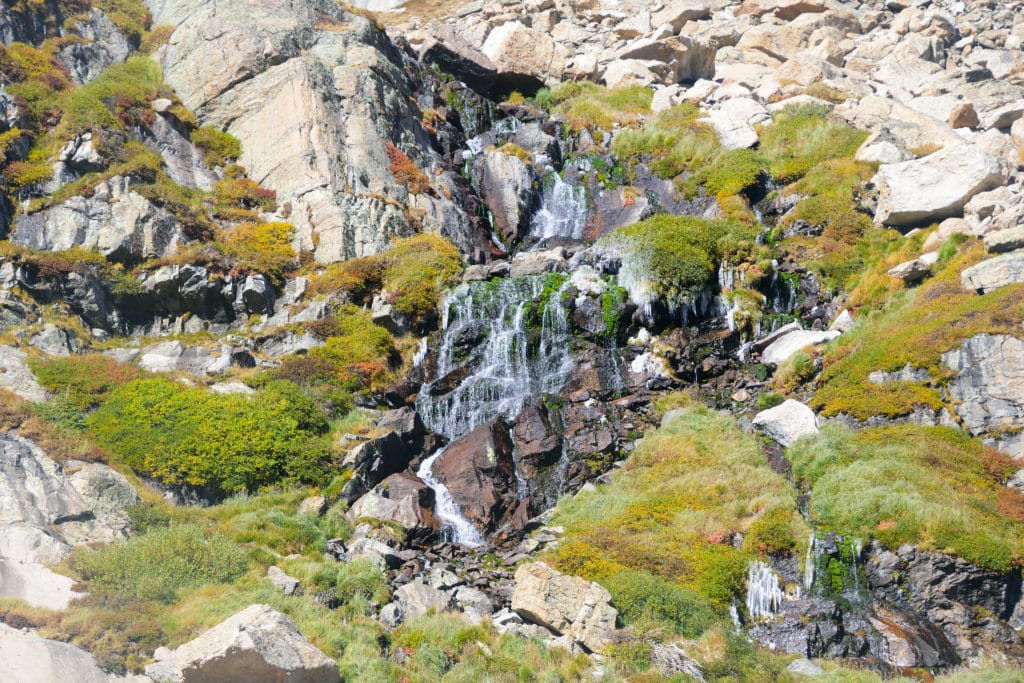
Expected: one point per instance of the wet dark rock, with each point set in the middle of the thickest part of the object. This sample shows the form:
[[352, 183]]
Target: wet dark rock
[[971, 606], [479, 472]]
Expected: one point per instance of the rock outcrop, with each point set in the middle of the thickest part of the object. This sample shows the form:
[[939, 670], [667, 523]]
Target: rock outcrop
[[291, 78], [25, 656], [993, 273], [989, 384], [565, 605], [115, 221], [934, 187], [257, 644]]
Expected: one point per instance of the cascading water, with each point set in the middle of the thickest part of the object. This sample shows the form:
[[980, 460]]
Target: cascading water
[[563, 210], [505, 370], [455, 527], [764, 594], [519, 347]]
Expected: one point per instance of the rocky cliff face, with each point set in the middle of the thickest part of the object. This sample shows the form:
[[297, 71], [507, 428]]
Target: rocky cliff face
[[316, 95]]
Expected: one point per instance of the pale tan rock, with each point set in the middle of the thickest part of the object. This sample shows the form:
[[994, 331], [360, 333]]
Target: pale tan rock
[[964, 116], [514, 48], [993, 273], [565, 605], [257, 644]]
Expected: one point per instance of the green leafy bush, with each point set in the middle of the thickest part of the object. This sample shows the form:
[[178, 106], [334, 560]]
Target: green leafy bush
[[159, 564], [262, 248], [223, 443], [84, 381]]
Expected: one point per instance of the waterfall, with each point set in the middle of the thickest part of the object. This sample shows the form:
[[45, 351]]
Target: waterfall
[[519, 355], [504, 341], [563, 211], [764, 595], [455, 527]]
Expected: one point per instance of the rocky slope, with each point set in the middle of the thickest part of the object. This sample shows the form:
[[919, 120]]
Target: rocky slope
[[561, 338]]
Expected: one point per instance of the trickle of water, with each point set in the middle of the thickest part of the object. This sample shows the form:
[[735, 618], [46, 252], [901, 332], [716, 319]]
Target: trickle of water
[[809, 566], [764, 594], [421, 353], [563, 211], [506, 371], [456, 528]]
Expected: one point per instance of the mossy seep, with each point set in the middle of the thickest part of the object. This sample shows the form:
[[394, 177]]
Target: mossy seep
[[673, 258], [659, 536]]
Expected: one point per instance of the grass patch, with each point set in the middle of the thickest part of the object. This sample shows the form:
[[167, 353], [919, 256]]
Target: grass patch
[[916, 328], [932, 486], [801, 137], [586, 105], [659, 536]]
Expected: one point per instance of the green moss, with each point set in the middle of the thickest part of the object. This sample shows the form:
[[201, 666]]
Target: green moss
[[672, 257], [932, 486]]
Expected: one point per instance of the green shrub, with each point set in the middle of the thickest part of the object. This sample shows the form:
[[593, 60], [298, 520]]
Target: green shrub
[[84, 381], [160, 563], [221, 148], [588, 105], [262, 248], [650, 602], [187, 435]]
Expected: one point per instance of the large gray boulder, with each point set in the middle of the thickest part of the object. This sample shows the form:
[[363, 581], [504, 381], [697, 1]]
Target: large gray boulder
[[315, 94], [257, 644], [115, 221], [37, 585], [517, 50], [16, 377], [784, 347], [787, 422], [508, 188], [565, 605], [35, 497], [25, 657], [934, 187]]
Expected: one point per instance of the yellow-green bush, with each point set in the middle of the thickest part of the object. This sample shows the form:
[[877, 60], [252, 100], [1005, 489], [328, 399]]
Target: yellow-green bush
[[84, 381], [224, 444], [802, 136], [262, 248], [588, 105]]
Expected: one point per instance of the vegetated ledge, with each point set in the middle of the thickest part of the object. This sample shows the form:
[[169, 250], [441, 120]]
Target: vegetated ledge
[[916, 328], [934, 487]]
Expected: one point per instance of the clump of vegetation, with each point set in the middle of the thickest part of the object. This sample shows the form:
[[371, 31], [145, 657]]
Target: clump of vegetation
[[671, 258], [933, 486], [261, 248], [412, 275], [801, 137], [591, 106], [405, 170], [686, 491], [156, 565], [221, 148], [222, 443], [84, 381]]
